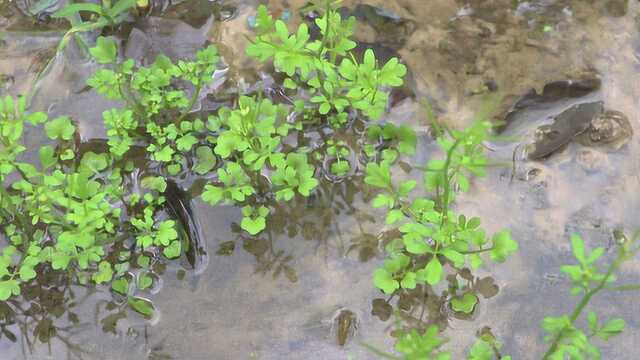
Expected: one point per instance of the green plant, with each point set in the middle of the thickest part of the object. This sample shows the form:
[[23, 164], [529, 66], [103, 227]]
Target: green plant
[[325, 67], [156, 108], [566, 339], [74, 212], [249, 138], [338, 152], [105, 14], [432, 234], [487, 347], [98, 216], [413, 345]]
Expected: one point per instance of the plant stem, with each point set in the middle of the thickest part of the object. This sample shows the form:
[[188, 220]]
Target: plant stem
[[585, 301], [479, 251], [624, 288], [194, 98], [446, 182]]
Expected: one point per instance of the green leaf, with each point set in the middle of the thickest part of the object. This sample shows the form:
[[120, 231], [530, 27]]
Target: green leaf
[[432, 273], [611, 328], [164, 155], [383, 200], [396, 263], [166, 232], [47, 157], [105, 51], [378, 175], [60, 128], [94, 163], [106, 83], [104, 274], [406, 187], [173, 250], [68, 154], [503, 246], [464, 304], [120, 286], [577, 245], [186, 142], [72, 9], [157, 183], [37, 118], [383, 280], [254, 220], [27, 273], [120, 7], [416, 244], [455, 257], [8, 288], [394, 216], [473, 223], [481, 350], [141, 306], [212, 194], [145, 281], [206, 160], [409, 280]]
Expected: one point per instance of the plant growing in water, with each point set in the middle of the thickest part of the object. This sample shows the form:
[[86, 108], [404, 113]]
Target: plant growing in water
[[565, 337], [96, 210], [432, 234], [97, 213], [102, 15]]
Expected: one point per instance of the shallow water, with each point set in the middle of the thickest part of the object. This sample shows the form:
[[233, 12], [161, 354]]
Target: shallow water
[[237, 309]]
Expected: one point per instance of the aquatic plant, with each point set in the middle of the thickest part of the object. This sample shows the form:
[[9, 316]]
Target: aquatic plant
[[432, 234], [565, 337], [98, 214], [325, 67], [102, 15], [78, 212], [90, 217], [63, 214]]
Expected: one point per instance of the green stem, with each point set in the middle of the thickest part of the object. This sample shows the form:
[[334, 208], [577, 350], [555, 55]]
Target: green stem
[[380, 353], [584, 302], [194, 98], [446, 182], [479, 251], [624, 288]]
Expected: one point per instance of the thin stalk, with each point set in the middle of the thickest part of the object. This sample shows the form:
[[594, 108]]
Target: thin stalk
[[624, 288], [194, 98], [380, 353], [479, 251], [585, 301], [446, 184]]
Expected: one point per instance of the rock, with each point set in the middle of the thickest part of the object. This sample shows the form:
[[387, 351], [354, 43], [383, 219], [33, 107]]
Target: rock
[[565, 127], [391, 29], [174, 38], [617, 8], [610, 130]]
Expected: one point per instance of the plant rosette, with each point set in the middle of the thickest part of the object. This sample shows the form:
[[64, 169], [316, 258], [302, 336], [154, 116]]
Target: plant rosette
[[340, 161]]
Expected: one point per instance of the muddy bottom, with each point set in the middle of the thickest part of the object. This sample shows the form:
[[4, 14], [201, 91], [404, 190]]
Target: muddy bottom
[[278, 296]]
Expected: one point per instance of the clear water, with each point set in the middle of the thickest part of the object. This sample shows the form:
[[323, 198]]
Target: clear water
[[237, 308]]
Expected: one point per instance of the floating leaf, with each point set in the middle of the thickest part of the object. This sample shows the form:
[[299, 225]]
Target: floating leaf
[[464, 304], [385, 281], [206, 160], [105, 51], [60, 128], [142, 306]]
